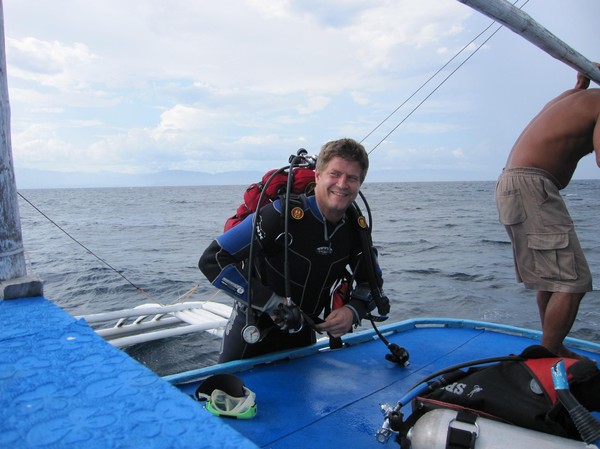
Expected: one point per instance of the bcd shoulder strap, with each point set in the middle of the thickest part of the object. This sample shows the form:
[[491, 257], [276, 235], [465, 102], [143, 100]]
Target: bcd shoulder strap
[[382, 302]]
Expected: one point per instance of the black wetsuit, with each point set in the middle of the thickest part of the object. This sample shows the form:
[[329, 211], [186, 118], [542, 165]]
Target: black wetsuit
[[317, 259]]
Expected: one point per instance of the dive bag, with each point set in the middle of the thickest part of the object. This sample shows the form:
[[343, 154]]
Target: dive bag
[[519, 392]]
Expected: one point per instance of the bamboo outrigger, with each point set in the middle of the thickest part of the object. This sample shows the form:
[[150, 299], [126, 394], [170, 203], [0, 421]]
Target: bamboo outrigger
[[525, 26]]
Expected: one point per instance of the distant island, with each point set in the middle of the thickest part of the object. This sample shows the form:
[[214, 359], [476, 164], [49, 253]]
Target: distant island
[[46, 179]]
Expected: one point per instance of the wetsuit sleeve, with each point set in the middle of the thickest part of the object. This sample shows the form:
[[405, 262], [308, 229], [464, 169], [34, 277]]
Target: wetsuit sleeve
[[224, 260]]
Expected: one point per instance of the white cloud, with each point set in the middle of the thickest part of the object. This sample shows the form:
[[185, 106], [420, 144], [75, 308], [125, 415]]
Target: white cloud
[[271, 8], [316, 103], [145, 85], [182, 119], [390, 31]]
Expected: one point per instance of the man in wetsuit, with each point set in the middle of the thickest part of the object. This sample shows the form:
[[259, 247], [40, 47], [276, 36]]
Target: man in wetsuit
[[323, 241], [547, 253]]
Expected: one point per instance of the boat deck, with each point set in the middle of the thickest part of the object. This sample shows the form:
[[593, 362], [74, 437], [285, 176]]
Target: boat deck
[[62, 386], [332, 399]]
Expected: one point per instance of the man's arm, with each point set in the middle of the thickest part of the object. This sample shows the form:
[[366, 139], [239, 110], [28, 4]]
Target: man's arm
[[582, 83], [221, 263]]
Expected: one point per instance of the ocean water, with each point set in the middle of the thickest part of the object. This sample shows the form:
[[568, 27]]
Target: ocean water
[[441, 248]]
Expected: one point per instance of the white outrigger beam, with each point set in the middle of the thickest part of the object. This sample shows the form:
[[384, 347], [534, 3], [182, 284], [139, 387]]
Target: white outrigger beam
[[150, 322], [524, 25]]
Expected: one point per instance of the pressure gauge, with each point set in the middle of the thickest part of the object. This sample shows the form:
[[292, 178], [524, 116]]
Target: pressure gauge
[[251, 334]]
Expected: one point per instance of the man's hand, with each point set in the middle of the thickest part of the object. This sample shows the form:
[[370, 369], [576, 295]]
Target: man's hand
[[583, 82], [337, 322]]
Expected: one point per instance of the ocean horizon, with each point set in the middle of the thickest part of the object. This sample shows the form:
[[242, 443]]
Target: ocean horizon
[[47, 179]]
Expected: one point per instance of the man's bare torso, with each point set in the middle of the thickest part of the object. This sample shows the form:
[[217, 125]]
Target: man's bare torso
[[560, 135]]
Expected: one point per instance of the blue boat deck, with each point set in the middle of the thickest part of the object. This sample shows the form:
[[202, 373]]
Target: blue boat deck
[[62, 386], [332, 399]]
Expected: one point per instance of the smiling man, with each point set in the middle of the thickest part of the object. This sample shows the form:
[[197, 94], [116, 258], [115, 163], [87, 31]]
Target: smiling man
[[323, 243]]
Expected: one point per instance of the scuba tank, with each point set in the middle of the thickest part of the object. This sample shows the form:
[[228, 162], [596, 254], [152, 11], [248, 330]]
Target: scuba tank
[[435, 428]]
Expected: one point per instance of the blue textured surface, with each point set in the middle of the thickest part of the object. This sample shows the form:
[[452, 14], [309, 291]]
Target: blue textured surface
[[62, 386], [332, 399]]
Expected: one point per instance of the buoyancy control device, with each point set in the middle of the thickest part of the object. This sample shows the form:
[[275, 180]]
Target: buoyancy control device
[[517, 391]]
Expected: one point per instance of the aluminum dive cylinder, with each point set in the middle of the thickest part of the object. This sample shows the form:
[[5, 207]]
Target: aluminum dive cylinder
[[431, 432]]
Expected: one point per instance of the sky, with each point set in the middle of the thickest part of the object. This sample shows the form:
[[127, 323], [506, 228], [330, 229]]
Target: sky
[[135, 87]]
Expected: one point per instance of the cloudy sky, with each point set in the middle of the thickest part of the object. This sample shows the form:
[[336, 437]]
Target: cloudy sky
[[144, 86]]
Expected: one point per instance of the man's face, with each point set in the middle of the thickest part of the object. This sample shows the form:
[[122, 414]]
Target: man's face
[[336, 187]]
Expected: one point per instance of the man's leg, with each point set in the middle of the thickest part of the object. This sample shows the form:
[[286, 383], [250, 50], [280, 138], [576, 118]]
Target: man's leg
[[557, 314]]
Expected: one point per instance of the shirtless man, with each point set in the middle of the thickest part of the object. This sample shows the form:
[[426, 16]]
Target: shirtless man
[[547, 254]]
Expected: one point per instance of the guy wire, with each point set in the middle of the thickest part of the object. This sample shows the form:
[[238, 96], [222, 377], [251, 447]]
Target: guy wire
[[438, 86], [87, 249]]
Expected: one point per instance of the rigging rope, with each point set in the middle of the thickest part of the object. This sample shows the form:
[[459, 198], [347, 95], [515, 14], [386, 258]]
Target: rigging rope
[[439, 84], [87, 249]]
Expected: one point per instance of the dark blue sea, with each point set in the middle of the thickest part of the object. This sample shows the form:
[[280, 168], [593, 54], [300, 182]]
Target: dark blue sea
[[442, 251]]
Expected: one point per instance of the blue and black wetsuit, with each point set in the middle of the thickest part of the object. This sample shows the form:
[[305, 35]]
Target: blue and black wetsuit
[[319, 254]]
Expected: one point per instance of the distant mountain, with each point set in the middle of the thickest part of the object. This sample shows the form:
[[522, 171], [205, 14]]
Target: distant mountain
[[42, 179]]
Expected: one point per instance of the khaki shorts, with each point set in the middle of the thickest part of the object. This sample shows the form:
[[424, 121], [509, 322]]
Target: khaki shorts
[[546, 249]]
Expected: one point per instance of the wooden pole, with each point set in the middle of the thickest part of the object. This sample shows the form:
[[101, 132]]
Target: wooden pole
[[523, 24], [14, 282]]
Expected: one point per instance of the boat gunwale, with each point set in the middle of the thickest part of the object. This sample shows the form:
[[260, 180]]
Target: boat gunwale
[[366, 336]]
